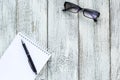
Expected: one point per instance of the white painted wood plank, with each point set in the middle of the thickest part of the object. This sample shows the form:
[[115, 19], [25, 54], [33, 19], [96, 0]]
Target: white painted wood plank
[[32, 20], [7, 23], [94, 42], [63, 40], [115, 39]]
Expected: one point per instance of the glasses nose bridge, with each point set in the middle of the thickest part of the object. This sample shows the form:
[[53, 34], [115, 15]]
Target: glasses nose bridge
[[81, 9]]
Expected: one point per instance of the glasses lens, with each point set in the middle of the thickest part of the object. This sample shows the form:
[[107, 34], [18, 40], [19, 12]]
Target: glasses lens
[[74, 10], [87, 14], [91, 13], [71, 7]]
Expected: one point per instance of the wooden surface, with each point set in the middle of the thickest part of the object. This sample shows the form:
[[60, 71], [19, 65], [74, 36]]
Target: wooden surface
[[81, 49]]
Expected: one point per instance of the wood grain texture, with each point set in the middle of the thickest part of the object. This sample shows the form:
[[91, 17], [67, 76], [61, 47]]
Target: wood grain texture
[[94, 42], [115, 39], [32, 20], [82, 49], [63, 40], [7, 23]]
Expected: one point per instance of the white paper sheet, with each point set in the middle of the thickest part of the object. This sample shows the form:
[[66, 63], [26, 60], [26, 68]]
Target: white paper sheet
[[14, 62]]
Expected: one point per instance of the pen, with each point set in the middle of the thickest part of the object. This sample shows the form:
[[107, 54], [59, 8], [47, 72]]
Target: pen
[[29, 58]]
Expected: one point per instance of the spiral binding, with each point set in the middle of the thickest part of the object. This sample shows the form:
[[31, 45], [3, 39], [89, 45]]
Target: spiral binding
[[36, 44]]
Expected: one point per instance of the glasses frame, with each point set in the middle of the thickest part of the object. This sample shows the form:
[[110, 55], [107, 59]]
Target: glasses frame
[[90, 11]]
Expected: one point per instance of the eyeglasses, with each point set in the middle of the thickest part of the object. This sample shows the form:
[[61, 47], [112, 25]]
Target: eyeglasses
[[89, 13]]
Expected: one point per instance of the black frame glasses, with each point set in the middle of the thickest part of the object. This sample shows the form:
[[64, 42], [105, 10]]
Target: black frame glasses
[[89, 13]]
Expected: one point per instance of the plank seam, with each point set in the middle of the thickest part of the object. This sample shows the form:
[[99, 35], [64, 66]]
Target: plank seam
[[78, 47], [110, 38], [47, 38]]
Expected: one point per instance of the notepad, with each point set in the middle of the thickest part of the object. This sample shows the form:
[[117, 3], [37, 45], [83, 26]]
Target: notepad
[[14, 62]]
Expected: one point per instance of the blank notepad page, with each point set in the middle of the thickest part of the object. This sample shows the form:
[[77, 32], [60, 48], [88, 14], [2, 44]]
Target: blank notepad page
[[14, 62]]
